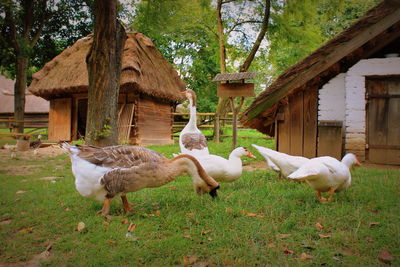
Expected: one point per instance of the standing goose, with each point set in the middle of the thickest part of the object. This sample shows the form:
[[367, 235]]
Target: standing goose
[[327, 174], [191, 140], [105, 172], [225, 170], [280, 162]]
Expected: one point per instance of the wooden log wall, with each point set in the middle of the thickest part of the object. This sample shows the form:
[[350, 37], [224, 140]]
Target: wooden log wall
[[154, 123], [296, 122]]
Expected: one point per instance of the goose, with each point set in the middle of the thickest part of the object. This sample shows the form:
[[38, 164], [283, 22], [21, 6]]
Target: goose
[[327, 174], [37, 143], [191, 140], [105, 172], [280, 162], [225, 170]]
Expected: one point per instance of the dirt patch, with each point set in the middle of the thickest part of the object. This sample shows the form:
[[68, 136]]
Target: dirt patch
[[40, 153], [255, 166]]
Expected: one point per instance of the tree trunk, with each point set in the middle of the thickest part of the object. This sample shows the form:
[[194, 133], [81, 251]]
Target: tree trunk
[[222, 65], [19, 92], [104, 69]]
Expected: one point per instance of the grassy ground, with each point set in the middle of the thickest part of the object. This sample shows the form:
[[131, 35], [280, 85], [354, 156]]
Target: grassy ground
[[257, 220]]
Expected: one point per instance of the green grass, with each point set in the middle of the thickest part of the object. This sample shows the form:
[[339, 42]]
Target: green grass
[[173, 222]]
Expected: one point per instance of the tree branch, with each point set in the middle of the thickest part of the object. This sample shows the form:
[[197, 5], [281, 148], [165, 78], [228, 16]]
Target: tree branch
[[245, 66], [11, 23], [241, 23]]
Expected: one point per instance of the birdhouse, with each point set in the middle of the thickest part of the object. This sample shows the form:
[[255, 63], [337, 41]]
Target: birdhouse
[[234, 85]]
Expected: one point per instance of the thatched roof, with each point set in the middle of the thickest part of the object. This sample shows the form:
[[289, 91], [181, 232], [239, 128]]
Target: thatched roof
[[33, 104], [233, 76], [144, 71], [367, 36]]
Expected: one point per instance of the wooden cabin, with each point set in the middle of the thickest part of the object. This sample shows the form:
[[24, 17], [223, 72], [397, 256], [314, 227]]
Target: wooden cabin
[[344, 97], [36, 108], [149, 89]]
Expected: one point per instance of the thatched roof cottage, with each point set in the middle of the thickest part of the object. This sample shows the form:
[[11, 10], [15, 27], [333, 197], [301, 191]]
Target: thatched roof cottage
[[36, 108], [149, 88], [342, 98]]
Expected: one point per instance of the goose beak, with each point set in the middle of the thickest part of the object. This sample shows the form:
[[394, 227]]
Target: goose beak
[[213, 192], [250, 155]]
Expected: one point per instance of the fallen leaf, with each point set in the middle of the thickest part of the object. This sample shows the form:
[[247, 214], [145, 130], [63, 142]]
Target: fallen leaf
[[158, 212], [370, 239], [319, 226], [282, 236], [187, 236], [288, 251], [50, 178], [228, 210], [111, 242], [124, 221], [306, 245], [5, 221], [209, 239], [81, 226], [372, 224], [304, 256], [190, 214], [385, 257], [190, 259], [205, 232], [349, 251], [26, 230], [251, 215], [131, 227], [106, 223], [324, 235], [20, 192], [172, 187]]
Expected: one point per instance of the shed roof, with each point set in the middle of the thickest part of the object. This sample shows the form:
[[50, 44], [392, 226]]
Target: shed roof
[[33, 104], [144, 70], [234, 76], [379, 27]]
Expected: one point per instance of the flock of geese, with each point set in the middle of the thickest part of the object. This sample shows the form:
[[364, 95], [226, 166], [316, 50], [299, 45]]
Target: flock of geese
[[103, 173]]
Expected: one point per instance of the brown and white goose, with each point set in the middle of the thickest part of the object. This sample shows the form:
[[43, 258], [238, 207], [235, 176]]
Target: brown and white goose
[[191, 140], [105, 172]]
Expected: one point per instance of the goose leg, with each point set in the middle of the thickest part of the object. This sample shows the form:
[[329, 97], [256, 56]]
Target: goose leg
[[331, 192], [106, 207], [125, 202], [320, 197]]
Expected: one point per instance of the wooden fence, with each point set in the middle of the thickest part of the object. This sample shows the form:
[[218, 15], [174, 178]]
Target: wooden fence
[[33, 126], [205, 121]]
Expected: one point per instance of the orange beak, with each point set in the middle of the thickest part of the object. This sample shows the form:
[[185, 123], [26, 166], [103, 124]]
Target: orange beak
[[250, 155]]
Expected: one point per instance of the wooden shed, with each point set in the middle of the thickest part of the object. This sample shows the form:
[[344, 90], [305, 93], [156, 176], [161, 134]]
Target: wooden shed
[[36, 108], [344, 97], [149, 88]]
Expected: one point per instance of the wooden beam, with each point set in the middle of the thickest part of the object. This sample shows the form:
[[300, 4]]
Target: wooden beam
[[330, 59]]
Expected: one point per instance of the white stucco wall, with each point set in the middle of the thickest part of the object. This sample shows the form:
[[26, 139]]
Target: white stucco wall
[[331, 99], [355, 117], [343, 99]]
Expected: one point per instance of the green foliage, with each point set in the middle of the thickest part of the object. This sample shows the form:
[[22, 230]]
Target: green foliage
[[299, 27], [183, 32], [68, 21], [257, 220]]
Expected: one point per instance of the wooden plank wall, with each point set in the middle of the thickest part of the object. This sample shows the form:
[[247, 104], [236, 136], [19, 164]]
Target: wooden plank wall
[[154, 122], [297, 132], [60, 119]]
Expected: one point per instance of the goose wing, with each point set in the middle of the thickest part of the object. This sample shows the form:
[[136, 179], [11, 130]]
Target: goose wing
[[194, 141], [119, 156]]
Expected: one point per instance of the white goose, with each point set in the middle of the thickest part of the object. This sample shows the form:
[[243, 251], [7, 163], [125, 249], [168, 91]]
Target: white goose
[[326, 174], [191, 140], [225, 170], [280, 162], [105, 172]]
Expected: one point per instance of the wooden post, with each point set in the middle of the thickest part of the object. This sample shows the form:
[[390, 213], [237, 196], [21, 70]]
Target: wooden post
[[216, 128], [235, 111]]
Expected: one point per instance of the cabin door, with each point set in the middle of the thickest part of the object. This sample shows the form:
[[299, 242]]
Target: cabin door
[[383, 120]]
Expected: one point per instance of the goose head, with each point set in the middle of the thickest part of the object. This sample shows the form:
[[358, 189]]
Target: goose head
[[190, 95], [350, 160], [242, 152]]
